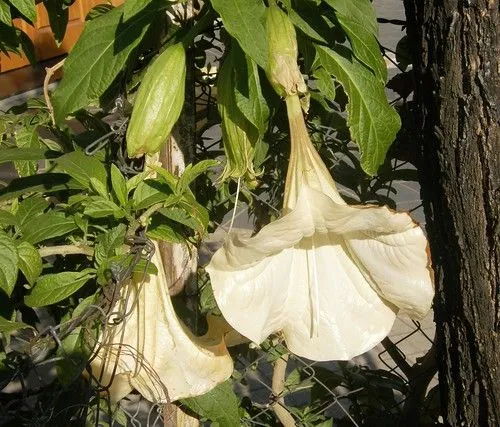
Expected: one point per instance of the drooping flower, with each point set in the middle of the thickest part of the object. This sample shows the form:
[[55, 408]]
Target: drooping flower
[[152, 351], [330, 277]]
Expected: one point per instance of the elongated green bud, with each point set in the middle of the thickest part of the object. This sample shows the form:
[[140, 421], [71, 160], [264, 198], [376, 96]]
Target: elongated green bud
[[282, 69], [238, 134], [158, 103]]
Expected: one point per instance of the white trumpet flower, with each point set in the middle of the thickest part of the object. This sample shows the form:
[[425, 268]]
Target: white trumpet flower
[[152, 351], [331, 277]]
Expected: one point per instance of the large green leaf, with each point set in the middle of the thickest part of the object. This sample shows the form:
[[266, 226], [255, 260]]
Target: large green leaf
[[42, 183], [119, 185], [47, 226], [58, 13], [30, 262], [27, 137], [108, 242], [220, 405], [5, 16], [30, 208], [26, 7], [82, 167], [372, 122], [151, 191], [99, 207], [244, 20], [7, 326], [358, 20], [133, 7], [53, 288], [101, 53], [249, 97], [6, 218], [8, 263], [18, 154], [192, 172], [358, 10]]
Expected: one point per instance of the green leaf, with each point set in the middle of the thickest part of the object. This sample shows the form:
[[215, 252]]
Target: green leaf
[[403, 53], [101, 53], [113, 267], [41, 183], [6, 218], [58, 12], [151, 191], [8, 263], [166, 176], [198, 212], [26, 7], [133, 182], [372, 122], [17, 154], [73, 356], [109, 242], [99, 207], [249, 98], [30, 208], [99, 188], [181, 216], [160, 228], [119, 185], [52, 288], [310, 22], [27, 137], [357, 10], [358, 20], [98, 11], [220, 405], [30, 262], [47, 226], [26, 46], [133, 7], [82, 167], [192, 172], [7, 326], [244, 20], [5, 16], [325, 83]]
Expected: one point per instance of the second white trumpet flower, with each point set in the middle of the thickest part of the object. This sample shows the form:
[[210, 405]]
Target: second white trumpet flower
[[329, 276]]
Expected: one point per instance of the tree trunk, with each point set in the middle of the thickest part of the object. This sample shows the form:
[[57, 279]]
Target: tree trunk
[[456, 54]]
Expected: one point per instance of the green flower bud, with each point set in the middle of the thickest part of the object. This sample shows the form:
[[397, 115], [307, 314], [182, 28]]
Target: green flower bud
[[158, 103], [282, 69]]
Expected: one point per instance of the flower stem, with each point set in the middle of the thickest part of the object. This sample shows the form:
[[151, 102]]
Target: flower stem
[[66, 250], [278, 386]]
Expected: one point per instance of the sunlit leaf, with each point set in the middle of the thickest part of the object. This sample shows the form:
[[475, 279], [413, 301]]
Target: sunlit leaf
[[52, 288], [8, 263]]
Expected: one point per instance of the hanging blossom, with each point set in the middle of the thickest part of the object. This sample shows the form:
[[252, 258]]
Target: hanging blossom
[[152, 351], [330, 277]]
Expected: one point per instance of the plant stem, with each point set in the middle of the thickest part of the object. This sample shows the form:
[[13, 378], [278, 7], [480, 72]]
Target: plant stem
[[66, 250], [143, 219], [278, 386]]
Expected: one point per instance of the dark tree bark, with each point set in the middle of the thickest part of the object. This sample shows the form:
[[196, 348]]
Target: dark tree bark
[[456, 53]]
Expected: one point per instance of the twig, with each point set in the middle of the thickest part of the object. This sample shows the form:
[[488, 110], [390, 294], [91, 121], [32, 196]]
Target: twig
[[422, 374], [278, 387], [396, 355], [50, 72], [66, 250]]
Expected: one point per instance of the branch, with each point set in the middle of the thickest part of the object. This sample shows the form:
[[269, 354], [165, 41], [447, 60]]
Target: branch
[[50, 72], [422, 374], [278, 387], [66, 250]]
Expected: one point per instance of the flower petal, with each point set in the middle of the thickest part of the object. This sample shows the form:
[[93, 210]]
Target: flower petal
[[157, 354], [309, 274]]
